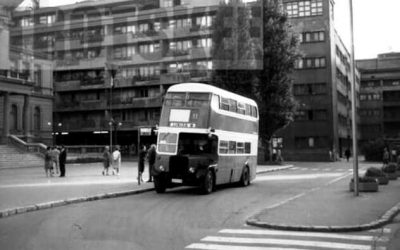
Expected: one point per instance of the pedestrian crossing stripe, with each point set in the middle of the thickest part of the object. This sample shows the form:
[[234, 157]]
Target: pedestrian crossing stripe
[[286, 242], [233, 247], [251, 239], [304, 234], [204, 246]]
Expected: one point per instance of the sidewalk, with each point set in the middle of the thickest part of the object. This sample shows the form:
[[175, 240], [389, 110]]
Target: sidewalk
[[333, 208], [27, 189]]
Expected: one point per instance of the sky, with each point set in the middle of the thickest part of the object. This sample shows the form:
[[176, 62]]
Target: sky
[[375, 25]]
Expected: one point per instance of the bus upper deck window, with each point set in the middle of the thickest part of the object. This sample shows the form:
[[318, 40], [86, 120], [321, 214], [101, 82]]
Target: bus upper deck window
[[232, 105], [241, 108], [254, 113], [248, 109], [224, 104]]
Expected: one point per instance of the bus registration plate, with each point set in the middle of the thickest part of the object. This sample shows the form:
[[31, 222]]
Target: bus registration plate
[[176, 181]]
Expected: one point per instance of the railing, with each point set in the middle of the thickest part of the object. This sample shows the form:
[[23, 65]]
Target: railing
[[38, 148]]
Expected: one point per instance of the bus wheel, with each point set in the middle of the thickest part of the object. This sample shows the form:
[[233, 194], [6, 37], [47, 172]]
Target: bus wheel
[[208, 182], [245, 179], [160, 184]]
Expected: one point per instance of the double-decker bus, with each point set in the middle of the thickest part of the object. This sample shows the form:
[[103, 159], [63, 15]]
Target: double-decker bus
[[206, 136]]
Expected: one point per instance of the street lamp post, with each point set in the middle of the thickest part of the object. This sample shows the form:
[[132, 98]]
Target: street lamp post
[[353, 105], [112, 70]]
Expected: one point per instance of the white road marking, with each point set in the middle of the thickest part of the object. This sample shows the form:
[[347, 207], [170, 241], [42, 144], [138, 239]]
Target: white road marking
[[303, 234], [74, 183], [295, 177], [233, 247], [287, 242], [381, 230]]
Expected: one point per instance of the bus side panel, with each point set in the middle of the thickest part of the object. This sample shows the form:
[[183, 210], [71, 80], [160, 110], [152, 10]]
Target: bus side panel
[[230, 167], [224, 169], [229, 123]]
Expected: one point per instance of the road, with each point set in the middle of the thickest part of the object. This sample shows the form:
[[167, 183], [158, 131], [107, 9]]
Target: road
[[182, 218]]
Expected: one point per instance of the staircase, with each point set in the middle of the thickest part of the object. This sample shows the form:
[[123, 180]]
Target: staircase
[[11, 157]]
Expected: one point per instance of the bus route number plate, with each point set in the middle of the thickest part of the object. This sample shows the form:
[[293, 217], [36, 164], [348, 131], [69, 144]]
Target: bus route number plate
[[176, 181]]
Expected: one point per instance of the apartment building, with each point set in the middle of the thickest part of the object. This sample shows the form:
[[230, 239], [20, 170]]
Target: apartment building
[[321, 85], [155, 44], [380, 98], [26, 94], [150, 44]]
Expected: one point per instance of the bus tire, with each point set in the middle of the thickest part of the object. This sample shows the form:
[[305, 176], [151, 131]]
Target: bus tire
[[160, 184], [208, 182], [245, 178]]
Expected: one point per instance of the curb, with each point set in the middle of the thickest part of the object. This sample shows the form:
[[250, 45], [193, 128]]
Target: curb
[[275, 169], [385, 219], [59, 203]]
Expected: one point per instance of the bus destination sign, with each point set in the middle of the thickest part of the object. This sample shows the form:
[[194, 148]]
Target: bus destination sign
[[182, 124]]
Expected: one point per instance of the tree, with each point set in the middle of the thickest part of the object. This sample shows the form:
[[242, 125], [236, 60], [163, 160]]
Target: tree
[[234, 50], [274, 88], [268, 82]]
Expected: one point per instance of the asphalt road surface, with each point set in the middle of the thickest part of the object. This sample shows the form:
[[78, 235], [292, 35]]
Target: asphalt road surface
[[182, 218]]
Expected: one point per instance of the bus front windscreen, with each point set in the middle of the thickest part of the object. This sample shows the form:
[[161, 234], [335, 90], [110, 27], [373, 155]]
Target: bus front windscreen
[[167, 142]]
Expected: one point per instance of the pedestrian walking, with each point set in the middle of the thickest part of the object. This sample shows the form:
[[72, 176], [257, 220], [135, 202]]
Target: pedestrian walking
[[62, 159], [106, 160], [48, 162], [55, 156], [386, 156], [142, 157], [116, 155], [151, 157], [347, 153], [393, 153]]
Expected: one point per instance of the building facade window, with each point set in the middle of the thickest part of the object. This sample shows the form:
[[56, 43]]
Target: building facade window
[[149, 48], [309, 89], [311, 37], [204, 43], [36, 119], [204, 21], [14, 117], [304, 8], [310, 63]]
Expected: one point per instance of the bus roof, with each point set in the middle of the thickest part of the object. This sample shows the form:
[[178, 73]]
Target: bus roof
[[207, 88]]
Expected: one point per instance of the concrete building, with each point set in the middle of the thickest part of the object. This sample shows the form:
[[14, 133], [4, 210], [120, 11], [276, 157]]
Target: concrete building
[[155, 44], [380, 98], [26, 94], [321, 85]]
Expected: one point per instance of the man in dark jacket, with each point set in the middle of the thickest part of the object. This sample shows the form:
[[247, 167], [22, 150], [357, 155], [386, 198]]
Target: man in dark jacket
[[151, 157], [62, 159]]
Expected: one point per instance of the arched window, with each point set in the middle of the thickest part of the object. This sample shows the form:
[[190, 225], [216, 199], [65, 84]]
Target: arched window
[[14, 118], [36, 119]]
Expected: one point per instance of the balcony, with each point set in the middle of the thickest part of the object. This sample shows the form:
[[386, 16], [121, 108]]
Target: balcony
[[171, 78], [83, 105], [146, 58], [391, 103], [101, 124], [74, 63], [137, 102]]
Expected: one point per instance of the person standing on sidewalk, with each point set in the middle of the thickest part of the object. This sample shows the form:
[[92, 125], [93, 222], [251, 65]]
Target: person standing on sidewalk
[[106, 160], [385, 157], [142, 157], [151, 157], [116, 155], [48, 162], [347, 153], [62, 160]]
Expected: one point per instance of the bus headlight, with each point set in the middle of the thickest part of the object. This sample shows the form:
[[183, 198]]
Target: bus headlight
[[162, 168], [192, 170]]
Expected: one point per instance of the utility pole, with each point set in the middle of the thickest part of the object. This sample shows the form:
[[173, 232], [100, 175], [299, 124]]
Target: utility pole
[[112, 70], [353, 105]]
